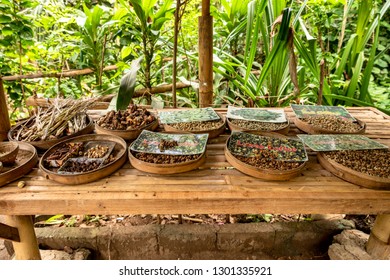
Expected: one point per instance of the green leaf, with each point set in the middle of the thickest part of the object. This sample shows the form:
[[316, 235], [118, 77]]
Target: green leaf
[[127, 85], [5, 19], [355, 77], [6, 31], [126, 51]]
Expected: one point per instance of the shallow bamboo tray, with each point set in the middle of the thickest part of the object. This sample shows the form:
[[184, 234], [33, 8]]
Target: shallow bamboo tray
[[266, 174], [213, 133], [26, 160], [127, 134], [166, 168], [8, 152], [310, 129], [90, 176], [351, 175], [46, 144], [234, 127]]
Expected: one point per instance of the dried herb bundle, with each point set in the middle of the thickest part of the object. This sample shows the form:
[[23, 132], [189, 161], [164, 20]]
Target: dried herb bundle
[[66, 117]]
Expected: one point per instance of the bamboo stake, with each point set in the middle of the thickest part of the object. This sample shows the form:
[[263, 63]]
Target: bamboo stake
[[27, 248], [378, 245], [322, 76], [5, 124]]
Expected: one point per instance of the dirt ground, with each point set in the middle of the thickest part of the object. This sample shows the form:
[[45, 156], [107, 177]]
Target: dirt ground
[[362, 222]]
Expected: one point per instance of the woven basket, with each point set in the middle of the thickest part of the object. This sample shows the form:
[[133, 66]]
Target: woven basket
[[8, 152]]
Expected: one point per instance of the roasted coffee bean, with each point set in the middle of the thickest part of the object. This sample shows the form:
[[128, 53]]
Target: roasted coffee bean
[[165, 159], [198, 126], [254, 125], [372, 162], [332, 123], [265, 163]]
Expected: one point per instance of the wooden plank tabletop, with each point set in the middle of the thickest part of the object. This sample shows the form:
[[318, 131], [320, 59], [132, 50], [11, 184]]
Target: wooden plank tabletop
[[215, 187]]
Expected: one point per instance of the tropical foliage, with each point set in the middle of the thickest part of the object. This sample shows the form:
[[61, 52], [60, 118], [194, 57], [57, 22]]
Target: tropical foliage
[[266, 52]]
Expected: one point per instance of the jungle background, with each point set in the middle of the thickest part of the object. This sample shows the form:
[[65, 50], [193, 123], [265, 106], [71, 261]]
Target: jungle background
[[318, 52]]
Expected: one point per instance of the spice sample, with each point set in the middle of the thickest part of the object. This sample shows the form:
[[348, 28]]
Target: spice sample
[[97, 151], [80, 165], [64, 152], [131, 118]]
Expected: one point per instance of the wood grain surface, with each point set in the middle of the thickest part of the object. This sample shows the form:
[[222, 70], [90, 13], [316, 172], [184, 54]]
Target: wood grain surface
[[215, 187]]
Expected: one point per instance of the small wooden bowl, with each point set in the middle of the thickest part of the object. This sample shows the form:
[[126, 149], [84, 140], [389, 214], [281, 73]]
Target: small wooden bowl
[[8, 152], [26, 160], [310, 129], [46, 144], [352, 176], [127, 134], [213, 133], [266, 174], [166, 168], [284, 130], [90, 176]]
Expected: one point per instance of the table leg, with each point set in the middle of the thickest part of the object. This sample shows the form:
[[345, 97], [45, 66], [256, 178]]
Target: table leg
[[378, 245], [27, 248]]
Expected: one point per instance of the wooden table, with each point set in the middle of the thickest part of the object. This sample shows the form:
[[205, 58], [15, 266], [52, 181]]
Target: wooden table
[[216, 187]]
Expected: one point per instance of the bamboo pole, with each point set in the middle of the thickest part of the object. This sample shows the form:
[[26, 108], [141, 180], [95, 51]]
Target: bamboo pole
[[322, 76], [5, 124], [71, 73], [46, 102], [27, 248], [378, 245], [205, 56], [174, 70]]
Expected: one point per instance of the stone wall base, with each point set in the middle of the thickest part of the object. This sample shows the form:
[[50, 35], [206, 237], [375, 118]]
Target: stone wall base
[[284, 240]]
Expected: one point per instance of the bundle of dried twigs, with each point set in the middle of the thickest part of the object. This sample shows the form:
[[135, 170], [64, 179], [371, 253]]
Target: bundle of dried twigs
[[64, 117]]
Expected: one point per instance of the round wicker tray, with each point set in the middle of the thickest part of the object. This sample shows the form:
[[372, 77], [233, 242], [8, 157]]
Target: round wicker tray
[[310, 129], [266, 174], [351, 175], [119, 151]]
